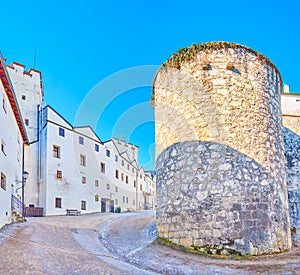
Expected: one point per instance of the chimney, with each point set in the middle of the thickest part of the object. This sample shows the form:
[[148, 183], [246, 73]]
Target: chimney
[[286, 89]]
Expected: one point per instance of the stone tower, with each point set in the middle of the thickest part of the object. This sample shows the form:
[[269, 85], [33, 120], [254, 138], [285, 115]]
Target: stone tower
[[29, 94], [220, 161]]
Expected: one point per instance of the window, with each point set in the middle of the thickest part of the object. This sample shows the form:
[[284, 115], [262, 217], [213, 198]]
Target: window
[[126, 179], [56, 151], [122, 162], [117, 174], [26, 121], [61, 132], [96, 147], [122, 177], [83, 205], [107, 186], [3, 181], [116, 158], [133, 202], [134, 184], [116, 201], [96, 183], [126, 199], [57, 202], [3, 145], [107, 153], [127, 166], [132, 170], [116, 189], [96, 197], [102, 167], [123, 198], [141, 187], [24, 97], [83, 180], [81, 140], [82, 160], [140, 176], [4, 104], [59, 174]]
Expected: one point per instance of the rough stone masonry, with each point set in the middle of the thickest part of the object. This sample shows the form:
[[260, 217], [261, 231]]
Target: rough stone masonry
[[221, 186]]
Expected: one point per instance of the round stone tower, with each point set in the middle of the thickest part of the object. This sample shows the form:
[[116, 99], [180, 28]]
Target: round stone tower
[[220, 161]]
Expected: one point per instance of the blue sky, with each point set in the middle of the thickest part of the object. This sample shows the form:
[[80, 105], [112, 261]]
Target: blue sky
[[79, 44]]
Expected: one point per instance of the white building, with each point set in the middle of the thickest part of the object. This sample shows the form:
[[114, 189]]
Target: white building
[[149, 193], [12, 138], [290, 104], [69, 168], [81, 172], [29, 95]]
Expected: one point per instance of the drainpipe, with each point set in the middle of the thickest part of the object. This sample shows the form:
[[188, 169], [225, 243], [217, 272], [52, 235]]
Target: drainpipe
[[136, 189], [23, 170], [40, 117]]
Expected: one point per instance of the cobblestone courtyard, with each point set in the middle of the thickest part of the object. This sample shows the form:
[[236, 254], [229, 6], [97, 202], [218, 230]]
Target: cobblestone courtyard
[[115, 244]]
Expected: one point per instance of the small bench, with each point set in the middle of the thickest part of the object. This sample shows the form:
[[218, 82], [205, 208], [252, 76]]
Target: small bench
[[73, 212]]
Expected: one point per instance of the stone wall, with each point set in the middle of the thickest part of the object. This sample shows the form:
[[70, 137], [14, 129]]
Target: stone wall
[[292, 155], [220, 166], [219, 201]]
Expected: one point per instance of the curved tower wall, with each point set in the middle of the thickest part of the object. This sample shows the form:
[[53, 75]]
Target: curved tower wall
[[220, 162]]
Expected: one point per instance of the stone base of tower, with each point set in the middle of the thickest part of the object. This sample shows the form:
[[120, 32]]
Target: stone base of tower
[[216, 200]]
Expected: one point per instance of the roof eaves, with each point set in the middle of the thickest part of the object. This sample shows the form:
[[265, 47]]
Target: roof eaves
[[8, 87]]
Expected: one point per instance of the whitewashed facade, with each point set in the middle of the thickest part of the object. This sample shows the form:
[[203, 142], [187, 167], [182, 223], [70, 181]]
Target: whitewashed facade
[[149, 193], [69, 167], [29, 94], [290, 102], [80, 172], [12, 137]]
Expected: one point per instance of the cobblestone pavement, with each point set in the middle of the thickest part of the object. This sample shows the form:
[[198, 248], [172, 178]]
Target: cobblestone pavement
[[115, 244], [47, 246]]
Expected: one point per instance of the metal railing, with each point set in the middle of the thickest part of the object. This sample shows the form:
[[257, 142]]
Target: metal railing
[[17, 205]]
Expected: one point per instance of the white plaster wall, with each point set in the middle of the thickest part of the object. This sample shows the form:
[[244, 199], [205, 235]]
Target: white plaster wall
[[150, 189], [141, 192], [71, 189], [290, 104], [123, 146], [126, 190], [28, 84], [11, 163]]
